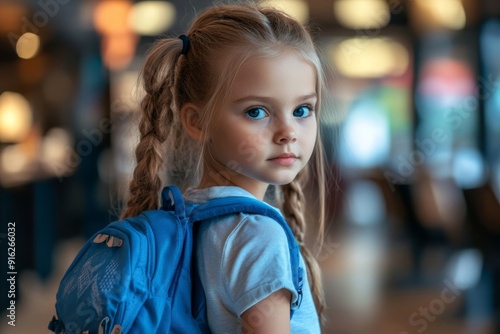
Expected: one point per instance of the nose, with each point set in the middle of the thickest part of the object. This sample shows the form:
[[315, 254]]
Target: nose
[[285, 132]]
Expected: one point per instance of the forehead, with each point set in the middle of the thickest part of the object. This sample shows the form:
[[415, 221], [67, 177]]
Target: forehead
[[285, 74]]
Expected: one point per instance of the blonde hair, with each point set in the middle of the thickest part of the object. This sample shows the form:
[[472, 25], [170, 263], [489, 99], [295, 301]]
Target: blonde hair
[[171, 79]]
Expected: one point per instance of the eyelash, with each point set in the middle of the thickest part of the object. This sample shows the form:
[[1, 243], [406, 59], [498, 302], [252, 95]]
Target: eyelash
[[255, 108], [311, 111]]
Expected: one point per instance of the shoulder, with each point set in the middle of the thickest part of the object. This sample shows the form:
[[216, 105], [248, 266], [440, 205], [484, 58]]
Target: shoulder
[[257, 227], [255, 261], [243, 235]]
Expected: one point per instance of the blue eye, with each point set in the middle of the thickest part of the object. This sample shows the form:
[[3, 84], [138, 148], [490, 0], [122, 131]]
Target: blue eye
[[256, 113], [302, 111]]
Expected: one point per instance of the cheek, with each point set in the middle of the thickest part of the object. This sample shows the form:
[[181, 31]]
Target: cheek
[[256, 138], [261, 139], [312, 135], [225, 136], [311, 129], [231, 143]]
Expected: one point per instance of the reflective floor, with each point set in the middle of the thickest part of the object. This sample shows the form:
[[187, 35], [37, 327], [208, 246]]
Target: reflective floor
[[360, 301]]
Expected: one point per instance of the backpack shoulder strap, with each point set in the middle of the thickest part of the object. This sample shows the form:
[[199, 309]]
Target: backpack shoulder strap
[[236, 204], [172, 200]]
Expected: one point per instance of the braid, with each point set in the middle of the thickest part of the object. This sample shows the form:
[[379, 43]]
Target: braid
[[157, 116], [294, 210], [171, 80]]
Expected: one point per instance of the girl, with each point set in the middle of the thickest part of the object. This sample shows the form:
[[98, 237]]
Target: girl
[[235, 103]]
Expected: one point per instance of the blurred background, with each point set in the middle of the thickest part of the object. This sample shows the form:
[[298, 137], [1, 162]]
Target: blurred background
[[412, 138]]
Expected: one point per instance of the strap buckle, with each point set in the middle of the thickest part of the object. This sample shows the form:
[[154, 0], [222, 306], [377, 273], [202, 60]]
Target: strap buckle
[[56, 325]]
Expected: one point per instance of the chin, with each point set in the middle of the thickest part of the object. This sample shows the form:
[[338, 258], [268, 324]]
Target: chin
[[282, 182], [279, 179]]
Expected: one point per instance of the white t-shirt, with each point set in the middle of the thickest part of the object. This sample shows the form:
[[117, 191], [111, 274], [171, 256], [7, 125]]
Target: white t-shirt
[[242, 259]]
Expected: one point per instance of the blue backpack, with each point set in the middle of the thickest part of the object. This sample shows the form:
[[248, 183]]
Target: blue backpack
[[138, 275]]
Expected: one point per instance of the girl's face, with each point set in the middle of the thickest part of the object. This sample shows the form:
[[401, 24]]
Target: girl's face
[[267, 129]]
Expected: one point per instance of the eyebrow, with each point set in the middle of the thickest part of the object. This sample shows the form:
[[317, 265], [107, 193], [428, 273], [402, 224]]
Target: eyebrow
[[270, 99]]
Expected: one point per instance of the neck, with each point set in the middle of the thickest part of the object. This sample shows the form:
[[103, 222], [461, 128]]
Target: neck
[[214, 178]]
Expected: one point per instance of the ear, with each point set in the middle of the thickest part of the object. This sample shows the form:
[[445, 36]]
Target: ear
[[190, 118]]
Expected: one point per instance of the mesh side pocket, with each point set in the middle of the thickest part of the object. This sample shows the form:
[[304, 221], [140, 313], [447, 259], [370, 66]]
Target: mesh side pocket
[[111, 275]]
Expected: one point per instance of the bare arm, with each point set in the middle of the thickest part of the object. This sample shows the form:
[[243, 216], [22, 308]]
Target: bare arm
[[269, 316]]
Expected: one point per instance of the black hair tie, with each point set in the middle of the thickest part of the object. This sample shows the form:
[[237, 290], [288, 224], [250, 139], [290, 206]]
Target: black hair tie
[[185, 44]]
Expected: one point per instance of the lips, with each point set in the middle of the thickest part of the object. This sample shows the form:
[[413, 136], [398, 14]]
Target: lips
[[285, 159]]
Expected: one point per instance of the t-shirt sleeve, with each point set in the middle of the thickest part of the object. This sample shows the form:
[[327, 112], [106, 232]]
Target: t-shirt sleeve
[[256, 262]]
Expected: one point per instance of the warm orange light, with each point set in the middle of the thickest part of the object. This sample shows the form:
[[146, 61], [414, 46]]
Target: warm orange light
[[362, 14], [118, 50], [111, 19], [111, 16], [11, 15], [152, 17], [54, 150], [13, 160], [369, 57], [441, 13], [28, 45], [15, 117]]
